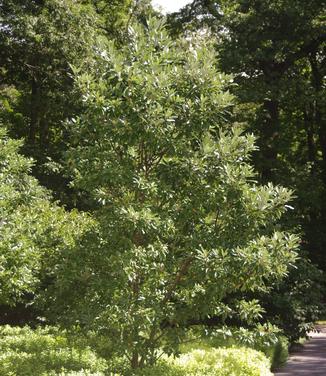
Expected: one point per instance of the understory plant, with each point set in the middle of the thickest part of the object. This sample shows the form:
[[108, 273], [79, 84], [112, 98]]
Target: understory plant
[[45, 351], [238, 361], [266, 338]]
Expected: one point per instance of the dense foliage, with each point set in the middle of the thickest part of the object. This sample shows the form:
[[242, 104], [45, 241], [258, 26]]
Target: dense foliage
[[50, 351], [169, 219], [214, 362], [182, 225], [276, 50], [46, 352], [266, 338], [31, 227]]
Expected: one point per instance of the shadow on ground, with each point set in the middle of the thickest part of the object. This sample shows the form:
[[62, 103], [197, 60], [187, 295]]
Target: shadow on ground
[[310, 360]]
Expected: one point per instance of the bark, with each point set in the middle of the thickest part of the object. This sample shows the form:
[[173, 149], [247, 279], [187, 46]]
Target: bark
[[319, 119], [183, 270], [44, 133], [310, 131], [135, 360], [269, 138], [34, 111]]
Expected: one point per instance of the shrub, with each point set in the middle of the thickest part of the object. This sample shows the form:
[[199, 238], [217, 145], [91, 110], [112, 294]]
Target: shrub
[[32, 227], [45, 351], [214, 362], [281, 352], [266, 338], [277, 350]]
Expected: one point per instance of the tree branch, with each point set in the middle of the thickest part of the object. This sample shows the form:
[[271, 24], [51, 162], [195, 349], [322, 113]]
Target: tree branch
[[180, 274]]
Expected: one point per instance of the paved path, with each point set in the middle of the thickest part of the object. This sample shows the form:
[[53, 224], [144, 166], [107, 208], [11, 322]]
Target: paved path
[[311, 360]]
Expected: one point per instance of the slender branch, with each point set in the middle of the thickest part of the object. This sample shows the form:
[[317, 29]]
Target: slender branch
[[155, 160], [216, 219], [180, 274], [132, 13]]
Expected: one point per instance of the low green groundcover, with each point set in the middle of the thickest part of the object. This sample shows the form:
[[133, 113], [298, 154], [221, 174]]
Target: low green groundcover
[[45, 352], [50, 352], [214, 362]]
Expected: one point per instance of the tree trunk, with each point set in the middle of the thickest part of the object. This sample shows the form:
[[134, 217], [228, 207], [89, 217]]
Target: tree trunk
[[135, 360], [319, 119], [310, 131], [34, 112], [44, 132], [269, 138]]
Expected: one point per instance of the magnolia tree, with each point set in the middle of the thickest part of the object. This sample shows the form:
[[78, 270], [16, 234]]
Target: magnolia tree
[[181, 224]]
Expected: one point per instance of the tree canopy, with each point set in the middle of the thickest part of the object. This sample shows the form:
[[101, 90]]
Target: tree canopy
[[182, 224]]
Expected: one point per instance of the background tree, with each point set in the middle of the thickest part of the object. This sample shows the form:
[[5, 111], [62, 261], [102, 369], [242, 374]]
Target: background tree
[[31, 229], [39, 42], [276, 50]]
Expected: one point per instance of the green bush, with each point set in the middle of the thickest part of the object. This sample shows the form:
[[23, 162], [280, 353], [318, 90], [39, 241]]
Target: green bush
[[277, 352], [236, 361], [267, 339], [45, 351]]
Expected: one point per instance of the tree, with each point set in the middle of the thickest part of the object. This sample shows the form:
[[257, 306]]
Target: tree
[[181, 223], [31, 227], [39, 41], [116, 15], [295, 304], [278, 51]]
